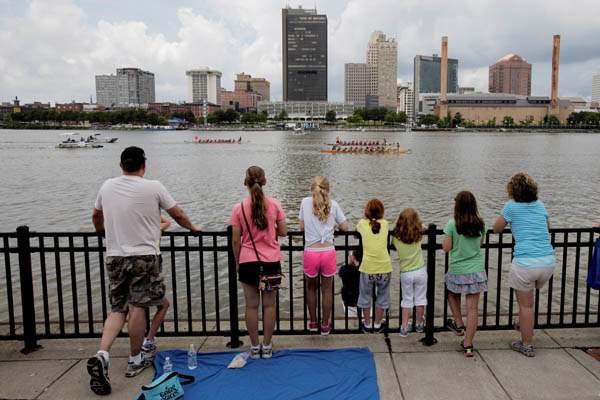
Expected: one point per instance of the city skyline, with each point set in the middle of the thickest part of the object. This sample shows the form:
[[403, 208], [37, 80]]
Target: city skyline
[[168, 40]]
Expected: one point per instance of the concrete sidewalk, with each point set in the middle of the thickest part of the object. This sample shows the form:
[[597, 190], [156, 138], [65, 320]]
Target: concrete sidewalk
[[411, 371]]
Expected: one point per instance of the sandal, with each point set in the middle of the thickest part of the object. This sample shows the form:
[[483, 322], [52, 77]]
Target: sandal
[[451, 325], [468, 350]]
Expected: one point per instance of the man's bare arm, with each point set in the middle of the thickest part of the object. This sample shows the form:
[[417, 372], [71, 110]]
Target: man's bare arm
[[182, 219], [98, 220]]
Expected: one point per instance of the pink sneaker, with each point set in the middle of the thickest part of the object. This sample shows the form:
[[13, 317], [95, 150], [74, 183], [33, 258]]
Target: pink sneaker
[[325, 329], [313, 327]]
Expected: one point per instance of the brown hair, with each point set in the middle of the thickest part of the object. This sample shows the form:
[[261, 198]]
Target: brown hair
[[466, 216], [374, 211], [254, 181], [409, 228], [522, 188], [320, 194]]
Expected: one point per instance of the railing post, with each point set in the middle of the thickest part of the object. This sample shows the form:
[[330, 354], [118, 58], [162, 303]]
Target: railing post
[[234, 323], [429, 340], [26, 283]]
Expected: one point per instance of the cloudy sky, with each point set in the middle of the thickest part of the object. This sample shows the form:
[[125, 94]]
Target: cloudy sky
[[50, 50]]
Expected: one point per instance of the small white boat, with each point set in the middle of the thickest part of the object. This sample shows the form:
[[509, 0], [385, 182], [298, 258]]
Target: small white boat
[[71, 143]]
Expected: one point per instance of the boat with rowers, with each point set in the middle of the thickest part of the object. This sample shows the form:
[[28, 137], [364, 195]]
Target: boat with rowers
[[397, 150], [199, 140], [360, 142]]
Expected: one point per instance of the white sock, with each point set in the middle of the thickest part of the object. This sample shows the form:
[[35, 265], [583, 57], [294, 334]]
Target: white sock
[[136, 359], [104, 355], [267, 346], [146, 341]]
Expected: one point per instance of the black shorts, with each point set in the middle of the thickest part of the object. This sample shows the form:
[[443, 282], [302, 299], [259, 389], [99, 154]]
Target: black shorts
[[249, 272]]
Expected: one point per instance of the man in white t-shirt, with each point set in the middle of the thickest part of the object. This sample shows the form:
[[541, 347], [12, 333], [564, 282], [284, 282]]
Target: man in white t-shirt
[[128, 210]]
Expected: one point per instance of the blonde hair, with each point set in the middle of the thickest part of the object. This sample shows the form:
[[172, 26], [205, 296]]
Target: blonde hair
[[320, 194]]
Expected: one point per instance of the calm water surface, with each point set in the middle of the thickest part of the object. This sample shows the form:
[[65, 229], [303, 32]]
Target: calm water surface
[[51, 189]]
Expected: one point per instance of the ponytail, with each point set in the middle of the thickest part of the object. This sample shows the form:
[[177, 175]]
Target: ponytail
[[255, 179], [373, 212]]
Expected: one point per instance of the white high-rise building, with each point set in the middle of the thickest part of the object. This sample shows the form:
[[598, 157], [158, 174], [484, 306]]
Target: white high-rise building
[[382, 54], [406, 100], [204, 84], [357, 82], [106, 90], [596, 87], [129, 87]]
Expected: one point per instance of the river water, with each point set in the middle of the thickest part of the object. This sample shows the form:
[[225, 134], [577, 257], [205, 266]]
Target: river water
[[51, 189]]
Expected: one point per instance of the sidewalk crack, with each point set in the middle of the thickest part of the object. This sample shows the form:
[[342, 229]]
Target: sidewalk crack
[[388, 343], [58, 378], [493, 374]]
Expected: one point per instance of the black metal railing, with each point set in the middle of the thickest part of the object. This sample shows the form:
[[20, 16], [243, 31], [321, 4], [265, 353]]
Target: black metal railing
[[54, 285]]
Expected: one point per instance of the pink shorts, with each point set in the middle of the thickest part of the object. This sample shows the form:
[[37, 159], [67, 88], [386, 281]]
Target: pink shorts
[[320, 261]]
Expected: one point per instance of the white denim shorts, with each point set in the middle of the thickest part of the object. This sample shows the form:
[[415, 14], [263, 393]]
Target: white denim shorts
[[529, 278], [414, 288]]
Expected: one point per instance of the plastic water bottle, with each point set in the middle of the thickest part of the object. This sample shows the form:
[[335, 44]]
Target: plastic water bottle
[[192, 360], [167, 366]]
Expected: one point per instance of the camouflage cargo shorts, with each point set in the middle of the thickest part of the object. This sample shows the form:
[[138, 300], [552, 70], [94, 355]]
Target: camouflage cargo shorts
[[136, 281]]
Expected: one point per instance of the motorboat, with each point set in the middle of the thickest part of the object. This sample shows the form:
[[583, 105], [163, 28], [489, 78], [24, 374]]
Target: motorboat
[[71, 143]]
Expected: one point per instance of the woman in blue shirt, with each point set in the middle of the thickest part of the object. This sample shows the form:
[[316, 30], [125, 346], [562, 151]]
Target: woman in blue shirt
[[533, 259]]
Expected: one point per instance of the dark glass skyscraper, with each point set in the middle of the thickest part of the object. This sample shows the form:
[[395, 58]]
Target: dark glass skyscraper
[[304, 44], [427, 74]]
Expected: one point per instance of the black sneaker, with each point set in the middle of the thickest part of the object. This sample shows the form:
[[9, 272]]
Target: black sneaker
[[97, 367], [451, 325]]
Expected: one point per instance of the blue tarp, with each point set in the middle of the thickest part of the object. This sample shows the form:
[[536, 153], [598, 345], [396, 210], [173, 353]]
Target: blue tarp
[[290, 374]]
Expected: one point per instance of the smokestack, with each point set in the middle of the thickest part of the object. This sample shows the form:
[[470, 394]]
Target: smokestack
[[555, 63], [444, 71]]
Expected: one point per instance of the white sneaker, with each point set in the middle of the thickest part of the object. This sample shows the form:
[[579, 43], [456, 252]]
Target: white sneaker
[[267, 351], [255, 352]]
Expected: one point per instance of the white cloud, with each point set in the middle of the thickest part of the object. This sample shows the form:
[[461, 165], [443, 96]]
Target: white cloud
[[51, 50]]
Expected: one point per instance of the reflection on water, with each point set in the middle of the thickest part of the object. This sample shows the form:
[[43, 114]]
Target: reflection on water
[[51, 189]]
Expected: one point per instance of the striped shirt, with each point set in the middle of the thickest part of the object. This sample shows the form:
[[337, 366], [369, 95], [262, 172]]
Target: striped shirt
[[529, 225]]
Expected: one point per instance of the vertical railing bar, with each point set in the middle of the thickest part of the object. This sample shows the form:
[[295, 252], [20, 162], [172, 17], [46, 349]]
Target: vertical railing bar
[[74, 284], [291, 285], [44, 285], [202, 287], [550, 285], [61, 315], [88, 285], [429, 339], [234, 318], [587, 290], [27, 293], [511, 292], [346, 262], [576, 278], [216, 275], [499, 277], [563, 280], [446, 267], [188, 280], [487, 272], [174, 283], [102, 281], [9, 294]]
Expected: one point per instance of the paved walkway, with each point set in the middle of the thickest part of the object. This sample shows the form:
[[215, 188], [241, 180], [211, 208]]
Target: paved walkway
[[561, 370]]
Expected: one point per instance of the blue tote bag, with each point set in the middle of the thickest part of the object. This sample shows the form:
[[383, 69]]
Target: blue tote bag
[[593, 278]]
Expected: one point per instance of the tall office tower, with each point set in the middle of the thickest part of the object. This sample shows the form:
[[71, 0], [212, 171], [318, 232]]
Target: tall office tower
[[382, 54], [204, 84], [427, 71], [304, 45], [246, 83], [134, 87], [129, 87], [510, 74], [596, 87], [357, 82], [106, 90]]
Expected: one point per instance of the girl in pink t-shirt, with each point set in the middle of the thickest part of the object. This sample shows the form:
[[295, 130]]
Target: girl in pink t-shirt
[[257, 222]]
